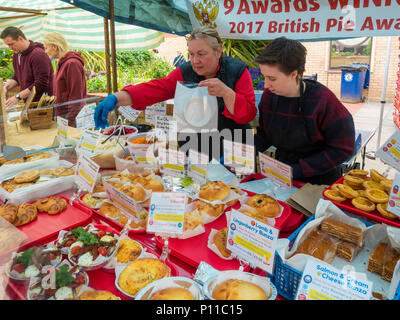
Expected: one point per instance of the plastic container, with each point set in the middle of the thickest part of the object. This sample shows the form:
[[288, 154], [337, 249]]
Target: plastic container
[[352, 82]]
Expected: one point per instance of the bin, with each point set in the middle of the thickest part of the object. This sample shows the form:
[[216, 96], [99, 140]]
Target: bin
[[352, 82]]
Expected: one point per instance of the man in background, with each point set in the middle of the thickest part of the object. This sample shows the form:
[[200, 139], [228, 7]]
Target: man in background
[[32, 67]]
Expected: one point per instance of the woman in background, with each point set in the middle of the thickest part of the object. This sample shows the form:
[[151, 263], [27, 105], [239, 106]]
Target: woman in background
[[70, 78]]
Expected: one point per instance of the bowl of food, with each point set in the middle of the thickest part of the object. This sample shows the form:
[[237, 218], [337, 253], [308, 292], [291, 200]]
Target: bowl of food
[[125, 131], [128, 250], [171, 288], [27, 263], [239, 285], [57, 283]]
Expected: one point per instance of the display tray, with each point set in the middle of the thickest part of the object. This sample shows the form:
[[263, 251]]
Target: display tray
[[99, 279], [374, 215], [183, 248], [46, 226], [109, 219]]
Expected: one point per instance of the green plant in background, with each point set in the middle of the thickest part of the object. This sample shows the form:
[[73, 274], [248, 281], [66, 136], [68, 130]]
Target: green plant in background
[[94, 61], [245, 50], [6, 67]]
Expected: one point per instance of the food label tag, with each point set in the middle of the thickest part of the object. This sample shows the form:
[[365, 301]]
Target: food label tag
[[393, 204], [166, 212], [239, 155], [321, 281], [252, 241], [166, 128], [121, 200], [88, 142], [62, 129], [142, 153], [197, 166], [389, 152], [85, 117], [86, 173], [154, 110], [278, 172], [129, 113], [172, 162]]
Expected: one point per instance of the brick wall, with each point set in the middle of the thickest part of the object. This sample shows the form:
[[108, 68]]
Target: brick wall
[[318, 62]]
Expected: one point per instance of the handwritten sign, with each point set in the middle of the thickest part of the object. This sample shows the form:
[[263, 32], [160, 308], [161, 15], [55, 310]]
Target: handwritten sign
[[166, 128], [321, 281], [252, 241], [166, 212], [278, 172], [86, 173], [129, 113]]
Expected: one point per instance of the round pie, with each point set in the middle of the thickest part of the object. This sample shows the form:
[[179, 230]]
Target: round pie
[[213, 191], [63, 171], [334, 195], [358, 173], [353, 180], [363, 204], [108, 209], [152, 184], [373, 185], [207, 208], [265, 205], [347, 191], [46, 172], [381, 207], [353, 186], [219, 240], [376, 176], [136, 193], [192, 220], [377, 196], [27, 176], [387, 184], [128, 250]]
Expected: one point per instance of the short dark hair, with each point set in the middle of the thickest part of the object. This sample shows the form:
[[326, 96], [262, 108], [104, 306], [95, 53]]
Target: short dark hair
[[12, 32], [289, 55]]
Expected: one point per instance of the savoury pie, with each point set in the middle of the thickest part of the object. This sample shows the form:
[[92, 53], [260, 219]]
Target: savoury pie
[[27, 176]]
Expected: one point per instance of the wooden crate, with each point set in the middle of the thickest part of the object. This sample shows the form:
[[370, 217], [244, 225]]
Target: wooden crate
[[41, 118]]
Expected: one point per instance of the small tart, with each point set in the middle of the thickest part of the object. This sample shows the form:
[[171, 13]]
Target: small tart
[[353, 186], [387, 184], [363, 204], [27, 176], [347, 191], [358, 173], [376, 176], [372, 185], [335, 187], [381, 207], [353, 180], [362, 193], [377, 196], [334, 195]]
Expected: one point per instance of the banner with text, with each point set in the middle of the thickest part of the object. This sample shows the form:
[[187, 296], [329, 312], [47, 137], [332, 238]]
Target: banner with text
[[297, 19]]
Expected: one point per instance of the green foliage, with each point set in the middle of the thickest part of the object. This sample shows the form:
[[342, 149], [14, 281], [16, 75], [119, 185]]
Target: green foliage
[[245, 50], [97, 84], [6, 67], [94, 61], [63, 277]]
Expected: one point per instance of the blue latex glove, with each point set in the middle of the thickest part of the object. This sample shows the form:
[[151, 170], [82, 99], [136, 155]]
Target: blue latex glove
[[102, 110]]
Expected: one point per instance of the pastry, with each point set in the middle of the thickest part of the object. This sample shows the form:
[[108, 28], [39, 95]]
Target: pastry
[[319, 245], [214, 191], [390, 261], [134, 192], [63, 171], [334, 195], [16, 161], [140, 273], [235, 289], [27, 176], [97, 295], [363, 204], [358, 173], [46, 172], [343, 231], [9, 212], [108, 209], [387, 184], [376, 176], [208, 209], [128, 250], [152, 184], [347, 191], [373, 185], [219, 240], [57, 205], [234, 201], [377, 196], [91, 201], [346, 250], [376, 259], [37, 156], [381, 207], [192, 220], [27, 212], [353, 180], [255, 215], [264, 205], [174, 293]]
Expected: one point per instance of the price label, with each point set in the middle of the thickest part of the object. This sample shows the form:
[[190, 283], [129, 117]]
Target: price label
[[85, 117], [389, 152], [86, 173], [239, 155], [129, 113], [321, 281], [62, 129], [166, 212], [88, 142], [276, 171], [393, 204], [166, 128], [172, 162], [252, 241], [197, 166], [121, 200]]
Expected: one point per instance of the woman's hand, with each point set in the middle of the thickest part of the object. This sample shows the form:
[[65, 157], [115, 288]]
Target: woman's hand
[[215, 87]]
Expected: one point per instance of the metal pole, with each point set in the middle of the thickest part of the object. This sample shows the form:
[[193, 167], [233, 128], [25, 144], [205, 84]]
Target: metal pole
[[107, 54], [113, 47]]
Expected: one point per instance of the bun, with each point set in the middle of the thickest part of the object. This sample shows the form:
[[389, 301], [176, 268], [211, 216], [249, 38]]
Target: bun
[[174, 293], [136, 193], [97, 295], [264, 205], [151, 184], [233, 202], [238, 290], [220, 242], [108, 209], [209, 209], [213, 191]]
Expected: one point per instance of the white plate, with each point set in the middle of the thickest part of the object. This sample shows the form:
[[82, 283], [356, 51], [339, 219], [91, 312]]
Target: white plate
[[197, 112]]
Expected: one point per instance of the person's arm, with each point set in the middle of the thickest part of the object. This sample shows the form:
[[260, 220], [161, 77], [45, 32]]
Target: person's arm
[[41, 71], [336, 126]]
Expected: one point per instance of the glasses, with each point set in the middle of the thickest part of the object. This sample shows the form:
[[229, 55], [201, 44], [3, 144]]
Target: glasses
[[192, 36]]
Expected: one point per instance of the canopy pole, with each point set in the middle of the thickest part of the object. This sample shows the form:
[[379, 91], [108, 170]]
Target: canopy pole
[[113, 47], [107, 54]]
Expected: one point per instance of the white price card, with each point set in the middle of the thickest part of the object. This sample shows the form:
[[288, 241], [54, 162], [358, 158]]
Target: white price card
[[166, 128], [252, 241], [172, 162], [129, 113], [197, 166], [62, 129], [120, 199], [389, 152], [393, 204], [166, 212], [321, 281], [278, 172], [237, 154], [88, 142], [85, 117], [86, 173]]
